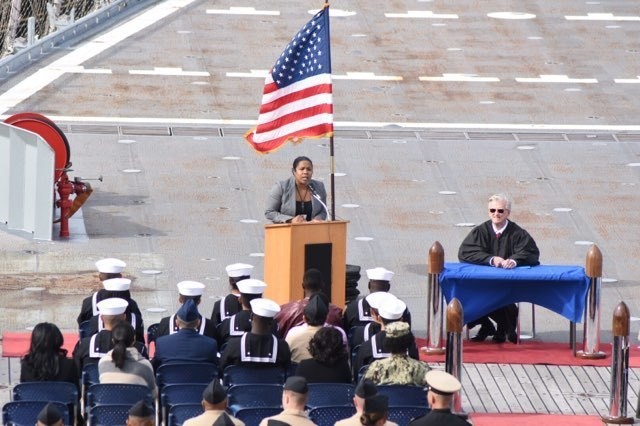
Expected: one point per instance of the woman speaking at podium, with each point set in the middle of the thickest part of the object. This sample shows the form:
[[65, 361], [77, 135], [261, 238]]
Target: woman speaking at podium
[[298, 198]]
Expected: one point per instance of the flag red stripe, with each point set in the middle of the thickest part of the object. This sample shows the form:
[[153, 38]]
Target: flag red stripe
[[319, 131], [295, 116], [295, 96]]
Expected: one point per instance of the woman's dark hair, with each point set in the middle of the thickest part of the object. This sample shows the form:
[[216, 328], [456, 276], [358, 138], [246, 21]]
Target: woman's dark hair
[[370, 419], [123, 336], [300, 159], [398, 345], [327, 347], [45, 351]]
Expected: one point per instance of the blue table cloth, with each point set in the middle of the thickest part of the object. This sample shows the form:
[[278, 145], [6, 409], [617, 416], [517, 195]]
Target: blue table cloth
[[482, 289]]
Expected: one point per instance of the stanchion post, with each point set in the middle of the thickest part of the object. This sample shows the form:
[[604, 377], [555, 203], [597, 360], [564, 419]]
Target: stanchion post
[[453, 357], [619, 368], [591, 343], [435, 301]]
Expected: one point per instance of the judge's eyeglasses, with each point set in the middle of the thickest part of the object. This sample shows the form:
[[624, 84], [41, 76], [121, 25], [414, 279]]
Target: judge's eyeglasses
[[496, 210]]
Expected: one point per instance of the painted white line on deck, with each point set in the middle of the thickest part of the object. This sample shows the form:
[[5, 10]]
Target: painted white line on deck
[[555, 78], [346, 124], [602, 17], [355, 75], [242, 11], [627, 80], [511, 15], [41, 78], [170, 71], [79, 69], [334, 12], [460, 77], [423, 14]]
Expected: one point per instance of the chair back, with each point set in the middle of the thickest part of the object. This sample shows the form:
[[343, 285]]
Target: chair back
[[329, 415], [180, 393], [246, 374], [64, 392], [186, 372], [254, 415], [109, 414], [330, 394], [152, 334], [117, 393], [254, 395], [90, 376], [25, 413], [403, 414], [404, 395], [179, 413]]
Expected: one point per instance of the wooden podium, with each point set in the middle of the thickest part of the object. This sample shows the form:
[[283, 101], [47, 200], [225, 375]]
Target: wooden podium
[[292, 248]]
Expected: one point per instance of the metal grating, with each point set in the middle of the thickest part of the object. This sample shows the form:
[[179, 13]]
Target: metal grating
[[350, 134], [392, 134], [196, 131], [146, 130], [542, 137], [234, 131], [628, 137], [604, 137], [93, 128], [491, 136], [446, 136]]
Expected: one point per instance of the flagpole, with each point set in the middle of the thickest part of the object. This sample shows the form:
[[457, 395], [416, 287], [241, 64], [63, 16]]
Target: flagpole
[[331, 146]]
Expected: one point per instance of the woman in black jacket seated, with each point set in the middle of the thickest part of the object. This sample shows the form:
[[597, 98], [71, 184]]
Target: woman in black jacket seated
[[330, 362], [46, 360]]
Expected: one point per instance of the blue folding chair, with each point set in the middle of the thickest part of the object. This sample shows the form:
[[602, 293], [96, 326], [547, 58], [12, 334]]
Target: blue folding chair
[[179, 413], [186, 372], [64, 392], [403, 414], [90, 376], [109, 414], [330, 394], [254, 415], [329, 415], [254, 395], [404, 395], [25, 413], [246, 374], [152, 332], [117, 393], [180, 393]]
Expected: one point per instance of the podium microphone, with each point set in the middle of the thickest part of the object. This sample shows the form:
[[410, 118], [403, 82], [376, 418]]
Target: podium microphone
[[315, 195]]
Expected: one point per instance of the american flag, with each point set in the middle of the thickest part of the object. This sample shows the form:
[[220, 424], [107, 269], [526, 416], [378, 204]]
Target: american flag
[[297, 100]]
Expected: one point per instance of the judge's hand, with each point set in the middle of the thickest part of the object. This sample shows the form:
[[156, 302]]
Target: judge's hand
[[508, 264], [298, 219], [497, 261]]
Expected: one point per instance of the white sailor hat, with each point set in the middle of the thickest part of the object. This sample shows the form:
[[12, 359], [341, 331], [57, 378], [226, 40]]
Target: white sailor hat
[[380, 274], [110, 265], [392, 309], [190, 288], [239, 270], [265, 307], [377, 299], [251, 286], [117, 284], [441, 382], [112, 306]]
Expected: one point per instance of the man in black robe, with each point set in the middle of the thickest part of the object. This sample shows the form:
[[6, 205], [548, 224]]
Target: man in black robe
[[500, 243]]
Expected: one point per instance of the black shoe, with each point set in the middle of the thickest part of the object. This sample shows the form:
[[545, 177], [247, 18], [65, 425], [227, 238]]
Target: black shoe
[[499, 338], [512, 337], [483, 333]]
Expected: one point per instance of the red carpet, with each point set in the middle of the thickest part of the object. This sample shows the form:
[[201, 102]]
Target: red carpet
[[529, 352], [489, 419]]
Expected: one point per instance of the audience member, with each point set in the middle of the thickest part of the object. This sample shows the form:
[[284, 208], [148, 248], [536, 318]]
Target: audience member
[[298, 337], [375, 411], [141, 414], [502, 244], [291, 313], [399, 368], [330, 360], [89, 350], [119, 287], [187, 290], [124, 364], [258, 346], [214, 404], [50, 416], [365, 389], [46, 360], [230, 305], [187, 345], [295, 394], [440, 389], [390, 310], [237, 324]]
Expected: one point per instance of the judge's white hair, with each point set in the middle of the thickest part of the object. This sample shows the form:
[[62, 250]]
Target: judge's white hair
[[501, 197]]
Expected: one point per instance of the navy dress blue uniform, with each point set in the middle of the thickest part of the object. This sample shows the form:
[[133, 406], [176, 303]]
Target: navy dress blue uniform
[[135, 319], [237, 325], [206, 327], [256, 349], [187, 345], [90, 349], [225, 308], [374, 349]]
